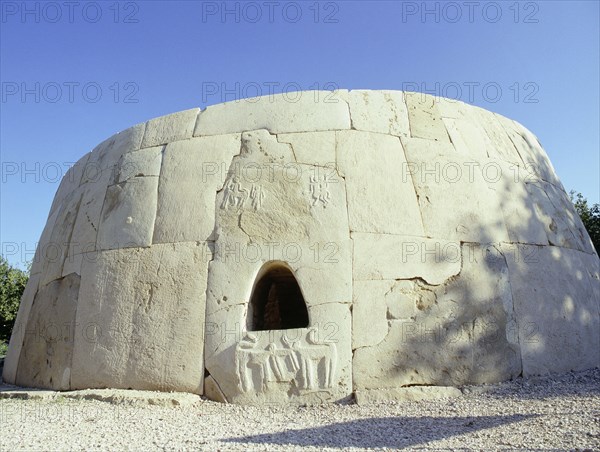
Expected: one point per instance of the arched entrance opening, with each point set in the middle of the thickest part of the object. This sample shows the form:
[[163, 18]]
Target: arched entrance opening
[[276, 302]]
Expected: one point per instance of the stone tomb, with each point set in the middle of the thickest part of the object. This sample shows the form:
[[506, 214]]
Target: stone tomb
[[346, 243]]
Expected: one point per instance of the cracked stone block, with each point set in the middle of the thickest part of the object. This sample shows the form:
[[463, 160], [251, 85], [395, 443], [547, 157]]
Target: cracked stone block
[[379, 111], [128, 214], [524, 223], [305, 111], [17, 338], [424, 118], [145, 162], [376, 175], [173, 127], [454, 198], [70, 181], [556, 307], [561, 223], [140, 319], [100, 165], [312, 148], [56, 250], [192, 173], [385, 256], [459, 331], [47, 351]]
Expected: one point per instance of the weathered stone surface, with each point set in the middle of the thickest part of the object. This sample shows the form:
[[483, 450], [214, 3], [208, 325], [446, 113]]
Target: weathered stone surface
[[173, 127], [458, 332], [424, 118], [511, 183], [145, 162], [69, 182], [454, 198], [56, 249], [47, 350], [128, 214], [280, 113], [375, 171], [100, 165], [281, 220], [313, 148], [560, 221], [299, 250], [556, 308], [192, 173], [140, 319], [17, 337], [530, 150], [385, 256], [378, 111]]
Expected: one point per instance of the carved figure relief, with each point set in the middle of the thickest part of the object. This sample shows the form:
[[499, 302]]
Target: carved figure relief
[[304, 360]]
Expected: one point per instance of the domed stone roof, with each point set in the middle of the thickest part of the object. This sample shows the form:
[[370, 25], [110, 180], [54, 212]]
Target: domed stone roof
[[308, 246]]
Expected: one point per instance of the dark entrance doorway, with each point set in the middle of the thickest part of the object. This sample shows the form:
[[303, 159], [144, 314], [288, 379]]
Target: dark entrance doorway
[[276, 302]]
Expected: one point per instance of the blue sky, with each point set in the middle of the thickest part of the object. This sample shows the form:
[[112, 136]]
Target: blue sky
[[74, 75]]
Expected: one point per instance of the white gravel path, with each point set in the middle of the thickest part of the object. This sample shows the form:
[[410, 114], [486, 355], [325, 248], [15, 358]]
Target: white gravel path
[[559, 412]]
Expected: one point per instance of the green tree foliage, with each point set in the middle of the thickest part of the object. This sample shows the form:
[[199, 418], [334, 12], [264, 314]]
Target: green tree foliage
[[12, 285], [590, 216]]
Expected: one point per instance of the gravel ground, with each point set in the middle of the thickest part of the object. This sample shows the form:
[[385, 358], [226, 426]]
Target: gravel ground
[[559, 412]]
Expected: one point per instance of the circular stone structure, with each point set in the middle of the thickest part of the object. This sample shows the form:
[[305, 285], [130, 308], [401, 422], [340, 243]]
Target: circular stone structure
[[307, 247]]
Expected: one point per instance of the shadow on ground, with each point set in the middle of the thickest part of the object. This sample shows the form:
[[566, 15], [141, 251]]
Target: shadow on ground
[[391, 432]]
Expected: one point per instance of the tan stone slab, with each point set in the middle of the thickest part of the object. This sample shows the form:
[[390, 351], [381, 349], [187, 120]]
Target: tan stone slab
[[555, 307], [424, 117], [47, 352], [280, 113], [128, 214], [192, 173], [169, 128], [455, 200], [140, 318], [381, 195], [385, 256], [17, 338]]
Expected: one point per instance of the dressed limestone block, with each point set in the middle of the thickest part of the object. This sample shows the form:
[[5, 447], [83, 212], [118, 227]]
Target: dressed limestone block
[[39, 258], [99, 168], [458, 332], [534, 158], [386, 256], [424, 118], [128, 214], [376, 174], [47, 350], [561, 222], [410, 394], [192, 173], [85, 230], [313, 148], [369, 313], [145, 162], [280, 220], [522, 218], [173, 127], [140, 319], [555, 307], [379, 111], [306, 111], [69, 182], [442, 179], [502, 147], [17, 337], [55, 252], [468, 137]]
